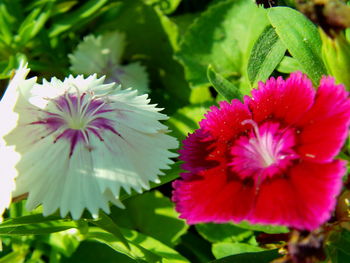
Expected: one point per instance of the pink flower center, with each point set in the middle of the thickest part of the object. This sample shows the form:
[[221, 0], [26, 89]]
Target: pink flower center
[[265, 152], [77, 117]]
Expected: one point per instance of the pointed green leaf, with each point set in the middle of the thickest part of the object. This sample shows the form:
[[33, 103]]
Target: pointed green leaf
[[37, 229], [30, 219], [17, 256], [225, 249], [288, 65], [301, 38], [78, 16], [223, 232], [224, 87], [142, 247], [267, 53], [254, 257], [106, 223], [263, 228]]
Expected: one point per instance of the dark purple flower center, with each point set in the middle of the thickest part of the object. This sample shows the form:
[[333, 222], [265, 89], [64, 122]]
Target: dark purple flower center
[[77, 117]]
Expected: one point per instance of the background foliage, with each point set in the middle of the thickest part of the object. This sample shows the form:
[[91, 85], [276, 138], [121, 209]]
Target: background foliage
[[196, 52]]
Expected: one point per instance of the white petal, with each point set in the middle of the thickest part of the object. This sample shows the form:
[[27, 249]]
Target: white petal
[[132, 160], [133, 75], [8, 159], [81, 188], [94, 54]]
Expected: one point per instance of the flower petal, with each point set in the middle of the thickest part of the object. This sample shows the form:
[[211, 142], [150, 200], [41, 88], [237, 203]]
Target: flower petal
[[286, 100], [218, 121], [303, 199], [133, 75], [213, 196], [324, 128], [8, 159], [196, 149], [81, 189], [130, 160], [107, 49]]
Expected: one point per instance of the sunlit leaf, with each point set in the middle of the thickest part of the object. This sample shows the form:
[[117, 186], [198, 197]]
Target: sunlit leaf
[[301, 38], [78, 16], [224, 87], [142, 247], [225, 249], [223, 232], [263, 228], [254, 257], [267, 53]]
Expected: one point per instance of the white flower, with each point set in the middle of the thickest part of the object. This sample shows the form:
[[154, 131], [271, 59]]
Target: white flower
[[8, 157], [81, 141], [102, 55]]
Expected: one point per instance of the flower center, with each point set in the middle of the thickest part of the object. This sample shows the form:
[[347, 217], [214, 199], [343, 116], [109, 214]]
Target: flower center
[[76, 117], [266, 151]]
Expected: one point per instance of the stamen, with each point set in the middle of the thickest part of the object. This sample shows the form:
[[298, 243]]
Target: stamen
[[262, 146], [255, 127]]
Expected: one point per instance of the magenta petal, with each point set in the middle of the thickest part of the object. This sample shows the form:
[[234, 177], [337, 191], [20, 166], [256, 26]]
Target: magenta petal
[[325, 126], [196, 149], [282, 99], [212, 197], [218, 121], [303, 199]]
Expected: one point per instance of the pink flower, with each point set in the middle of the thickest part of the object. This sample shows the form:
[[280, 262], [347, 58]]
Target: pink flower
[[269, 160]]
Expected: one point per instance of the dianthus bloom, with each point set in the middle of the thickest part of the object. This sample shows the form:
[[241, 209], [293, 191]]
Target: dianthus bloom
[[103, 55], [80, 141], [269, 160]]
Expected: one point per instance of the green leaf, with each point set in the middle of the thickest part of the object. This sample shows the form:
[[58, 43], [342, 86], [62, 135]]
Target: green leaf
[[35, 224], [254, 257], [223, 232], [167, 6], [8, 66], [338, 246], [288, 65], [225, 249], [5, 24], [77, 17], [195, 248], [152, 214], [30, 219], [263, 228], [301, 38], [267, 53], [186, 119], [65, 242], [223, 37], [37, 229], [33, 23], [17, 256], [92, 252], [107, 224], [224, 87], [142, 247]]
